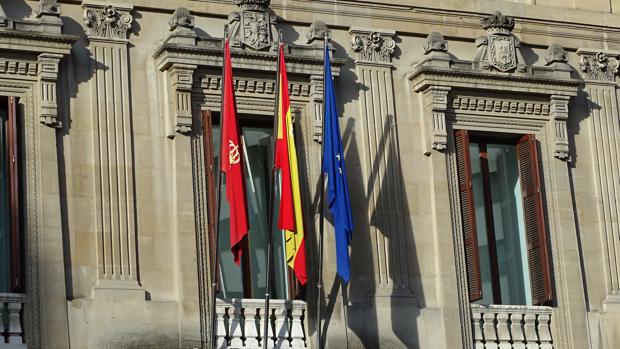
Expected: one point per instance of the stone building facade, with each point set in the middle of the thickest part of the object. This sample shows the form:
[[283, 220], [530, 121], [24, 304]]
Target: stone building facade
[[482, 141]]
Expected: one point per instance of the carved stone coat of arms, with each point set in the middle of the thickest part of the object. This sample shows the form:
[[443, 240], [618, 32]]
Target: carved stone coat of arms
[[502, 52], [255, 31]]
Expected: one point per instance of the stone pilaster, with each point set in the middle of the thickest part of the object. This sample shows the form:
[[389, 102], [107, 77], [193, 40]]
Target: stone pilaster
[[604, 131], [108, 27], [380, 158]]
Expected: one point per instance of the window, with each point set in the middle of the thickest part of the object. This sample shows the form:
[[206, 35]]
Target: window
[[503, 221], [10, 234], [248, 280]]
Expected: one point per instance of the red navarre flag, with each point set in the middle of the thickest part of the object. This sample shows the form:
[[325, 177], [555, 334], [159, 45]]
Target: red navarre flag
[[231, 163]]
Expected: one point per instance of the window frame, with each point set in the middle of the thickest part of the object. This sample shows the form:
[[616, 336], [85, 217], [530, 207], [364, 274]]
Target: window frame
[[209, 120], [529, 146]]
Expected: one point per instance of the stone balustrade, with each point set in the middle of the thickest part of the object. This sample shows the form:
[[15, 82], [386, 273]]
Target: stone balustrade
[[11, 312], [239, 324], [511, 327]]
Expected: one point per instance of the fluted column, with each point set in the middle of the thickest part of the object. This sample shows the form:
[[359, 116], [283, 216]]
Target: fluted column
[[108, 27], [380, 160]]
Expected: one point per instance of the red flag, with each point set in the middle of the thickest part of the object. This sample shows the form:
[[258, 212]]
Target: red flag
[[231, 163]]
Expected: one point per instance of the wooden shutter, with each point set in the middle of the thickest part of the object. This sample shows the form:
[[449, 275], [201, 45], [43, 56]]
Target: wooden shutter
[[12, 148], [468, 216], [207, 139], [535, 235]]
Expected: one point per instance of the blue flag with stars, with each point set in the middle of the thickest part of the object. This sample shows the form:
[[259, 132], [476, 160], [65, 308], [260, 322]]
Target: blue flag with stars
[[337, 187]]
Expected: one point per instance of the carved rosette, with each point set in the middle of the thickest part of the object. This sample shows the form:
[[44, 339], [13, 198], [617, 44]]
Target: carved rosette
[[373, 46], [599, 66], [107, 22]]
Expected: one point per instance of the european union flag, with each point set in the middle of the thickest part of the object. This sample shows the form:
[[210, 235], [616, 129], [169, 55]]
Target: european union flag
[[333, 164]]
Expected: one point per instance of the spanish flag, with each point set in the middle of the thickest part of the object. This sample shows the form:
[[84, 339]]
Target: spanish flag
[[291, 218]]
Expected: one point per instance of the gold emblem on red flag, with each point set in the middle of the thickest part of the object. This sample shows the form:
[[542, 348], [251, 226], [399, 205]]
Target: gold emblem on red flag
[[233, 153]]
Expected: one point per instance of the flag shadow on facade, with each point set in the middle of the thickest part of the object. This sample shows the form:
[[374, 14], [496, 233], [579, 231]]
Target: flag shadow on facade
[[384, 246]]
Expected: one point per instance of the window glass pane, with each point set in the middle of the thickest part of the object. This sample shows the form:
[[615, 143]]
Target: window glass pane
[[5, 214], [258, 160], [481, 225], [508, 224]]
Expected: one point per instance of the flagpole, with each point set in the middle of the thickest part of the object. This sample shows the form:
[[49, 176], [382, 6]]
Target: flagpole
[[276, 122], [319, 285], [216, 267]]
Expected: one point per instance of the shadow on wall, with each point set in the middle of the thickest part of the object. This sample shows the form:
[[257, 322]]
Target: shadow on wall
[[368, 306], [17, 9]]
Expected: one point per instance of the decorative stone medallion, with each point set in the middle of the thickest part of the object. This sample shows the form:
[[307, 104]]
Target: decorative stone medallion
[[502, 52]]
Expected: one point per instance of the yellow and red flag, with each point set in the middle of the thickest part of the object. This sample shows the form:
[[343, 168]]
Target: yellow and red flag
[[231, 163], [291, 218]]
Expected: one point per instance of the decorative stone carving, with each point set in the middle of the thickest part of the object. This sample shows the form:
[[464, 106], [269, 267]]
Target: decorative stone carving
[[498, 23], [559, 113], [254, 26], [499, 49], [437, 103], [253, 5], [599, 66], [48, 75], [317, 32], [435, 43], [181, 80], [48, 8], [107, 22], [181, 19], [373, 46], [556, 54]]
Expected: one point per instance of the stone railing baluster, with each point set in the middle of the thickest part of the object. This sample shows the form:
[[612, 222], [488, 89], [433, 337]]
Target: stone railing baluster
[[15, 326], [282, 328], [511, 327], [297, 327], [235, 324], [489, 330], [240, 324], [476, 322], [503, 333], [544, 332], [250, 314], [531, 336], [220, 326], [516, 331]]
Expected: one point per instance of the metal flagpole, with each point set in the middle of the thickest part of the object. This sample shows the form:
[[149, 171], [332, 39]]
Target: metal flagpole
[[271, 195], [216, 267], [319, 285]]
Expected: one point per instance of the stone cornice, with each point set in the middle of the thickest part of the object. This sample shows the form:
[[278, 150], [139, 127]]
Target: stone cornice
[[208, 52], [38, 42], [423, 76]]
